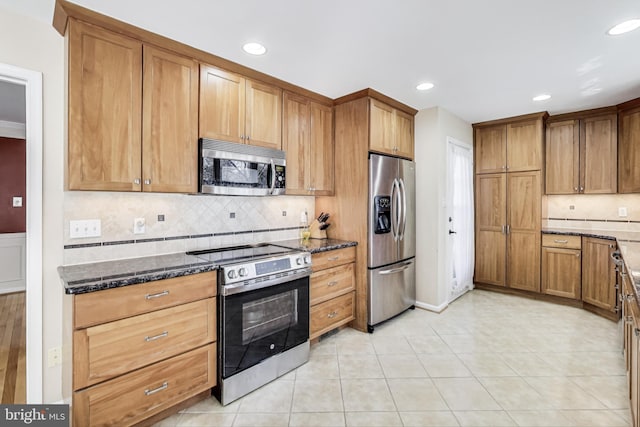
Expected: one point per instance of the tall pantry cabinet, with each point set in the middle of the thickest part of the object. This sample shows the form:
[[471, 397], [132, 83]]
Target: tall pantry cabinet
[[508, 199]]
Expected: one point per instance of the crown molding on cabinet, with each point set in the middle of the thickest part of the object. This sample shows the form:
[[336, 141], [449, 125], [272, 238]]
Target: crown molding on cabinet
[[371, 93], [577, 115], [510, 120]]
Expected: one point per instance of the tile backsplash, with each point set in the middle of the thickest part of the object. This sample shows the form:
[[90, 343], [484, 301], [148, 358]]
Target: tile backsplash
[[592, 211], [190, 222]]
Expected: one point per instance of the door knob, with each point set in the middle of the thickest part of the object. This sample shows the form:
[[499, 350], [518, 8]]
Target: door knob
[[452, 232]]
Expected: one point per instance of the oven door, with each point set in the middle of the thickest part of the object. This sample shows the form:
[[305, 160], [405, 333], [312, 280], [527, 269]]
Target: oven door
[[258, 324]]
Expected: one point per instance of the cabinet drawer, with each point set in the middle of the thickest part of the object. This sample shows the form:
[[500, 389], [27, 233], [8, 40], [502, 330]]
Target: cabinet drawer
[[105, 351], [113, 304], [327, 284], [561, 241], [331, 314], [328, 259], [131, 398]]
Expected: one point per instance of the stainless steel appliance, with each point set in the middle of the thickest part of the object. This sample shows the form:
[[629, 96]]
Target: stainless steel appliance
[[240, 169], [263, 315], [391, 237]]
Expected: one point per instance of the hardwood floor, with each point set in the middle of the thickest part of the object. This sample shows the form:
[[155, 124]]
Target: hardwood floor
[[12, 348]]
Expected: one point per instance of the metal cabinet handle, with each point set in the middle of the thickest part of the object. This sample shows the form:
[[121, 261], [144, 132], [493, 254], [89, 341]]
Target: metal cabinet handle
[[241, 136], [136, 181], [164, 386], [332, 283], [158, 295], [581, 189], [332, 314], [333, 258], [629, 319], [636, 331], [630, 298], [577, 255], [508, 227], [147, 182], [156, 337], [248, 137], [561, 241], [575, 189]]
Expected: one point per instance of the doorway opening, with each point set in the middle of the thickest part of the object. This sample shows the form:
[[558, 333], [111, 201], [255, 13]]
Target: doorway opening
[[31, 83], [460, 245]]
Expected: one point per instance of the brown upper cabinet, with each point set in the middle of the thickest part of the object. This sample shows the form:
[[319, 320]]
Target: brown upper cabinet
[[391, 130], [628, 143], [237, 109], [308, 142], [120, 139], [581, 154], [509, 147]]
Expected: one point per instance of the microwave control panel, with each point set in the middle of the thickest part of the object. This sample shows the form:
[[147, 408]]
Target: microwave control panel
[[280, 174]]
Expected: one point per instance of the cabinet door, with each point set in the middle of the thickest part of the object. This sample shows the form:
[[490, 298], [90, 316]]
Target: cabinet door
[[403, 134], [491, 149], [295, 142], [105, 107], [598, 273], [634, 371], [599, 154], [562, 171], [263, 125], [490, 223], [222, 102], [561, 269], [523, 242], [524, 146], [321, 160], [629, 154], [169, 123], [382, 119]]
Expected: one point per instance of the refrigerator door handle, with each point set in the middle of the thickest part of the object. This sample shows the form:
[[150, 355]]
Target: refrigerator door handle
[[403, 193], [395, 270], [395, 205]]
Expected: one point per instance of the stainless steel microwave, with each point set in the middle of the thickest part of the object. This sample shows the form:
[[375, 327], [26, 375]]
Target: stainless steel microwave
[[240, 169]]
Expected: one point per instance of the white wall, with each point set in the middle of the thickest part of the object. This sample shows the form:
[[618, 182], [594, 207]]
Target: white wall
[[432, 126], [35, 45]]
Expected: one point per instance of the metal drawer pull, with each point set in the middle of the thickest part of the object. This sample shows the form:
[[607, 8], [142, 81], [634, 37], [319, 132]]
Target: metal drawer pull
[[636, 331], [630, 297], [561, 241], [333, 258], [158, 295], [162, 335], [164, 386], [332, 283], [629, 319], [332, 314]]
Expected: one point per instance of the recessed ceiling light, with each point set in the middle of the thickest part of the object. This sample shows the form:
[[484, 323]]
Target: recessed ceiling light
[[624, 27], [542, 97], [254, 48], [424, 86]]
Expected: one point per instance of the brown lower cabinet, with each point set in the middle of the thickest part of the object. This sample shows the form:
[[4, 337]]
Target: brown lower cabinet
[[598, 273], [151, 351], [631, 330], [562, 266]]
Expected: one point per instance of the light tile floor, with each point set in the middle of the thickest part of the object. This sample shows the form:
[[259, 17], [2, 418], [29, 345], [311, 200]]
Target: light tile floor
[[487, 360]]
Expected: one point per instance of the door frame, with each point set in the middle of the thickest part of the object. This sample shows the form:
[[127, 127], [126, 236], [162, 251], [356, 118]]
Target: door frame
[[448, 203], [32, 82]]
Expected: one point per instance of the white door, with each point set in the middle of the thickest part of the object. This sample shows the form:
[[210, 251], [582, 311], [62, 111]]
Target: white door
[[460, 247]]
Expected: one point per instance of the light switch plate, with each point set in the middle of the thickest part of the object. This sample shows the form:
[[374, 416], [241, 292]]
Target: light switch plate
[[139, 226], [17, 202], [85, 228], [622, 212]]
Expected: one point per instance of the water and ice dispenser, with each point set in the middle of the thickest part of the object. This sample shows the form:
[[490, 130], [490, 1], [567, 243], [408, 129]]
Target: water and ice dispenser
[[382, 214]]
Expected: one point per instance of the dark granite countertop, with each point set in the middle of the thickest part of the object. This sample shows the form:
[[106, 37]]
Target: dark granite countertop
[[316, 245], [83, 278], [98, 276]]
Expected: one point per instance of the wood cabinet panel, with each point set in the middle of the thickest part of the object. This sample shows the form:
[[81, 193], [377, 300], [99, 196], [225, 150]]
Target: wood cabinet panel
[[562, 171], [222, 104], [561, 241], [490, 260], [599, 154], [321, 159], [113, 304], [105, 107], [561, 270], [524, 146], [111, 349], [133, 397], [296, 142], [381, 123], [328, 259], [169, 129], [491, 149], [263, 126], [332, 282], [404, 134], [490, 201], [331, 314], [629, 154], [598, 273]]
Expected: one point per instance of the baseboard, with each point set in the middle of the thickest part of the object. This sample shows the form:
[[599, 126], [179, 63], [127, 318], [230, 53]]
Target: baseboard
[[13, 290], [434, 308]]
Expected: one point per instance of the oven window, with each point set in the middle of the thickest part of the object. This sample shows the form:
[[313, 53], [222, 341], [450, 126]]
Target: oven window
[[266, 316]]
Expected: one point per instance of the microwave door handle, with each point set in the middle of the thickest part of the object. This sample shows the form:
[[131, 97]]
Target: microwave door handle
[[273, 176]]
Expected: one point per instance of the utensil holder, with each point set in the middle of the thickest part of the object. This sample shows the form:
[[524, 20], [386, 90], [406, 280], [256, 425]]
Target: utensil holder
[[316, 233]]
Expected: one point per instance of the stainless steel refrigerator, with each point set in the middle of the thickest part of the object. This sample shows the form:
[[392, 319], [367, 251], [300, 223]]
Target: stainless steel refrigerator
[[391, 237]]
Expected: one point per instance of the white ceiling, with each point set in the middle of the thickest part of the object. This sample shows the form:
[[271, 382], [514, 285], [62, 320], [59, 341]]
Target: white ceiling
[[487, 58]]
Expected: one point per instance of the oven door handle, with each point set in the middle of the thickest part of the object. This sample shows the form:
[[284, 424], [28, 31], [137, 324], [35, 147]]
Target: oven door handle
[[240, 287]]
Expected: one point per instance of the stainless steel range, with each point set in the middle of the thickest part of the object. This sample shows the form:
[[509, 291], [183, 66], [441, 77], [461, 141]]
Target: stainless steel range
[[263, 315]]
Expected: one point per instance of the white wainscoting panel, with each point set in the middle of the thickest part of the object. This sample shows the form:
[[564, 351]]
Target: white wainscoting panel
[[12, 262]]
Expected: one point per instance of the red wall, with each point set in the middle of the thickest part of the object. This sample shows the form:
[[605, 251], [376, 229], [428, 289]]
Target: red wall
[[13, 182]]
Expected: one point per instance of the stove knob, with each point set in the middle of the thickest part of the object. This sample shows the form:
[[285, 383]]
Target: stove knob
[[299, 260], [307, 259], [232, 274], [242, 272]]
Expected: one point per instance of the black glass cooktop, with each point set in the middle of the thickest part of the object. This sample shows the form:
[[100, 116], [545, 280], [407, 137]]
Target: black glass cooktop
[[235, 254]]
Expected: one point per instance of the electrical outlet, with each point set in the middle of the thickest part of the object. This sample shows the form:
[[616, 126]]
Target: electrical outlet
[[85, 228], [139, 226], [54, 356], [284, 213], [232, 215], [17, 202], [622, 212], [160, 217]]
